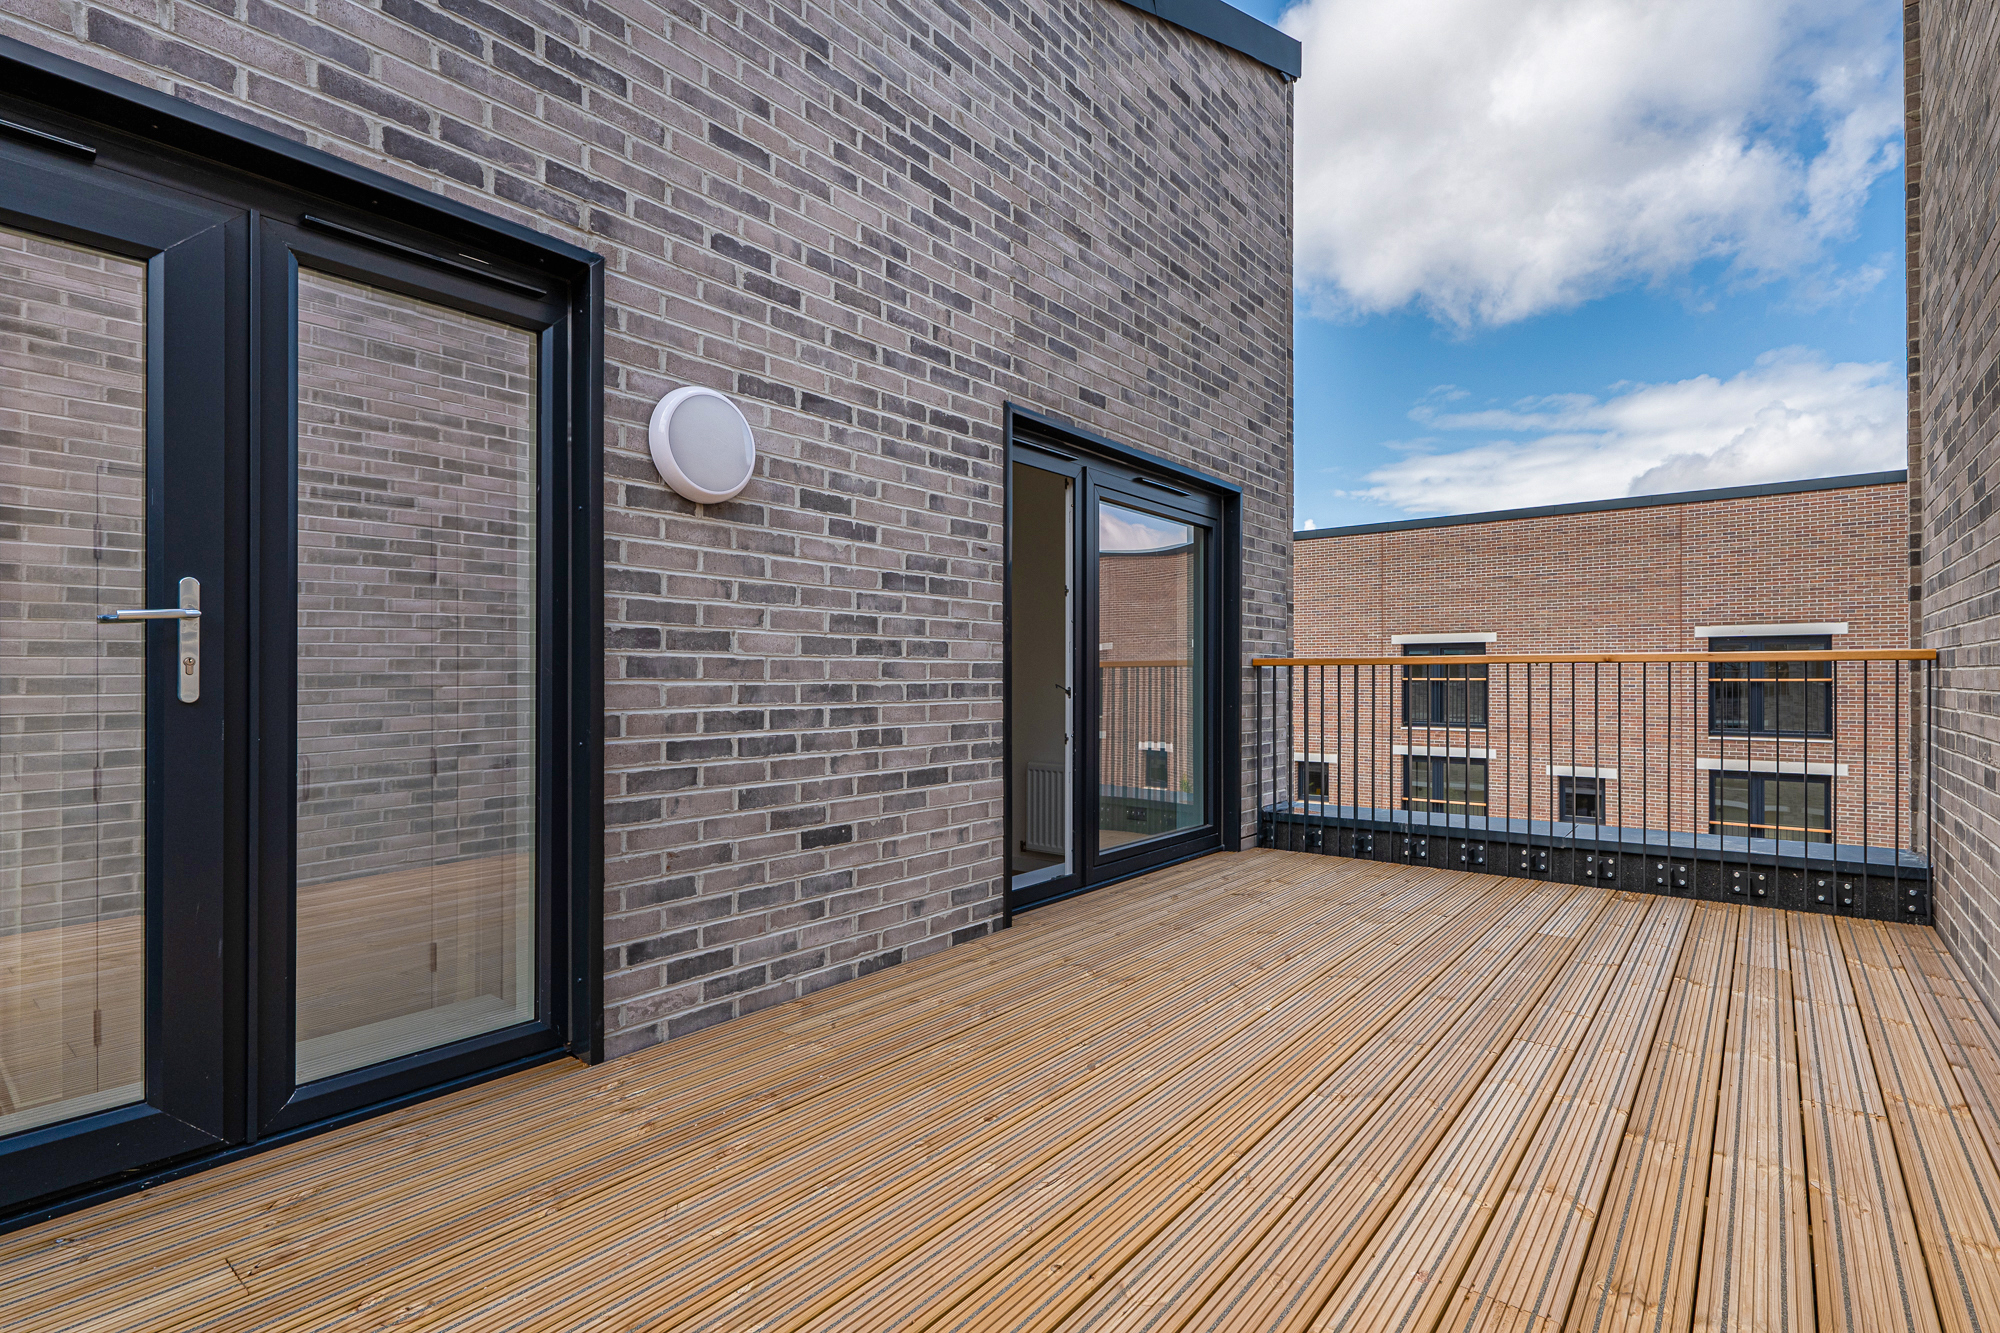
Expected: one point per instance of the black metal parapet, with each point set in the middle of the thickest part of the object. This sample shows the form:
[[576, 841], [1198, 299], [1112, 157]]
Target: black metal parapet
[[1798, 780]]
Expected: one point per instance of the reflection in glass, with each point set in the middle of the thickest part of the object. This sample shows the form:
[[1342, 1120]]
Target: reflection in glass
[[416, 703], [1151, 623], [72, 690]]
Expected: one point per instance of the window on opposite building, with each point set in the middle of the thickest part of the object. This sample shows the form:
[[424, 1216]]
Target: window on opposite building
[[1789, 807], [1434, 784], [1314, 784], [1580, 800], [1771, 698], [1441, 694], [1155, 761]]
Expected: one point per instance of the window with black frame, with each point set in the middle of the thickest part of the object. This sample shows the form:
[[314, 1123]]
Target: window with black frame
[[1314, 782], [1784, 806], [1580, 800], [1770, 699], [1444, 785], [1442, 694]]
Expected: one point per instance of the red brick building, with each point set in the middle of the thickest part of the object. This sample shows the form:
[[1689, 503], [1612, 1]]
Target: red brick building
[[1782, 750]]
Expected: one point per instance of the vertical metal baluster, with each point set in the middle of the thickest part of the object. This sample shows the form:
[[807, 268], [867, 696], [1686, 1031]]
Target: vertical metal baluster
[[1507, 820], [1646, 770], [1528, 763], [1374, 757], [1317, 675], [1326, 761], [1867, 780], [1667, 819], [1571, 825], [1349, 757], [1694, 770], [1597, 766], [1896, 847], [1930, 671]]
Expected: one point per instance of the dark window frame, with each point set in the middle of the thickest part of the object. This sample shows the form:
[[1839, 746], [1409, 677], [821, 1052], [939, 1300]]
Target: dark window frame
[[1315, 780], [1567, 790], [1437, 683], [1761, 690], [1758, 802], [284, 250], [1440, 779]]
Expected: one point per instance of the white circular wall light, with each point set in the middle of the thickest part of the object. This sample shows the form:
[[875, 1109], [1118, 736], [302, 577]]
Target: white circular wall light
[[702, 445]]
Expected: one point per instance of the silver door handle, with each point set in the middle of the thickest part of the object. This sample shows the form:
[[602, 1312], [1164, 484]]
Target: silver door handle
[[187, 673]]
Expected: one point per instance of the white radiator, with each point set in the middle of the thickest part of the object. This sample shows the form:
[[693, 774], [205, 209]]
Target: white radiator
[[1047, 803]]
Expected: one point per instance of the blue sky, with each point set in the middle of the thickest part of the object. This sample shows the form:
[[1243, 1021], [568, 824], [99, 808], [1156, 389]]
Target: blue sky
[[1556, 250]]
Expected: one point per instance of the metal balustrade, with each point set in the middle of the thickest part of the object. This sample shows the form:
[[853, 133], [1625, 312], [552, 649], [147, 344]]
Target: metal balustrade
[[1791, 779]]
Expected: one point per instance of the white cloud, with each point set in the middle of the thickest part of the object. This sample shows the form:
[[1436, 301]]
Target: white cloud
[[1791, 415], [1489, 160]]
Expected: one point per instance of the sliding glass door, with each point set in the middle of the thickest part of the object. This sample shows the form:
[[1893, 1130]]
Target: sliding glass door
[[1116, 636]]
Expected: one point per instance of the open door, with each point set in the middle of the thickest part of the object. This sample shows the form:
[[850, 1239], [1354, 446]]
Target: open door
[[1041, 779], [1118, 720]]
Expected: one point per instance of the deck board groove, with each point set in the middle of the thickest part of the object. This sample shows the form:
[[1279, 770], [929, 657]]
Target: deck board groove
[[1260, 1091]]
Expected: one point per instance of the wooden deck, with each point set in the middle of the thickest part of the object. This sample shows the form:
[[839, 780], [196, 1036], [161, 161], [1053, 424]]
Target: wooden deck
[[1261, 1091]]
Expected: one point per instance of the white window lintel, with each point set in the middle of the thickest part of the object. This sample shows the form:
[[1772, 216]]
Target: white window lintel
[[1758, 631], [1400, 639], [1711, 764]]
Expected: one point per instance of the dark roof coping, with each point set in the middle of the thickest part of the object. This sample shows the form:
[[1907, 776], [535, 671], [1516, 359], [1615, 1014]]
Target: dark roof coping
[[1626, 502], [1229, 26]]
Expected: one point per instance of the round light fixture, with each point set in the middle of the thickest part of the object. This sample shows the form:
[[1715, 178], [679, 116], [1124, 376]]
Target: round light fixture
[[702, 445]]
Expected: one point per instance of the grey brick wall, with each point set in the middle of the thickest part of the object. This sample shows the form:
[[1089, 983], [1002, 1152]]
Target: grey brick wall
[[874, 223], [1953, 453]]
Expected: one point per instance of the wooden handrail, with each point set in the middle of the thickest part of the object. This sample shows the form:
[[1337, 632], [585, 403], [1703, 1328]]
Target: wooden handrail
[[1531, 659]]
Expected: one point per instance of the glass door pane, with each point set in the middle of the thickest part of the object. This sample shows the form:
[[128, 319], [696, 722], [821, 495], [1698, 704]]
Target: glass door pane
[[72, 690], [1152, 623], [416, 676]]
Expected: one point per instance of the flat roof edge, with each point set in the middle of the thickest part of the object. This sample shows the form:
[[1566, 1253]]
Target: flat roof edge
[[1849, 482], [1226, 25]]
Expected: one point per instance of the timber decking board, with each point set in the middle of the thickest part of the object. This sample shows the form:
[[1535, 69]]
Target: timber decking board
[[1260, 1091]]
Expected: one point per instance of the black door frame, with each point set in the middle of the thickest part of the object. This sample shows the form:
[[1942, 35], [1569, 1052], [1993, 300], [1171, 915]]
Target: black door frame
[[70, 138], [189, 913], [1102, 467], [283, 249]]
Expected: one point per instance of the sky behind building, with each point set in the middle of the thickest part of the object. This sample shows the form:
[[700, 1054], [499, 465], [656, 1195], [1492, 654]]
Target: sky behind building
[[1556, 250]]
